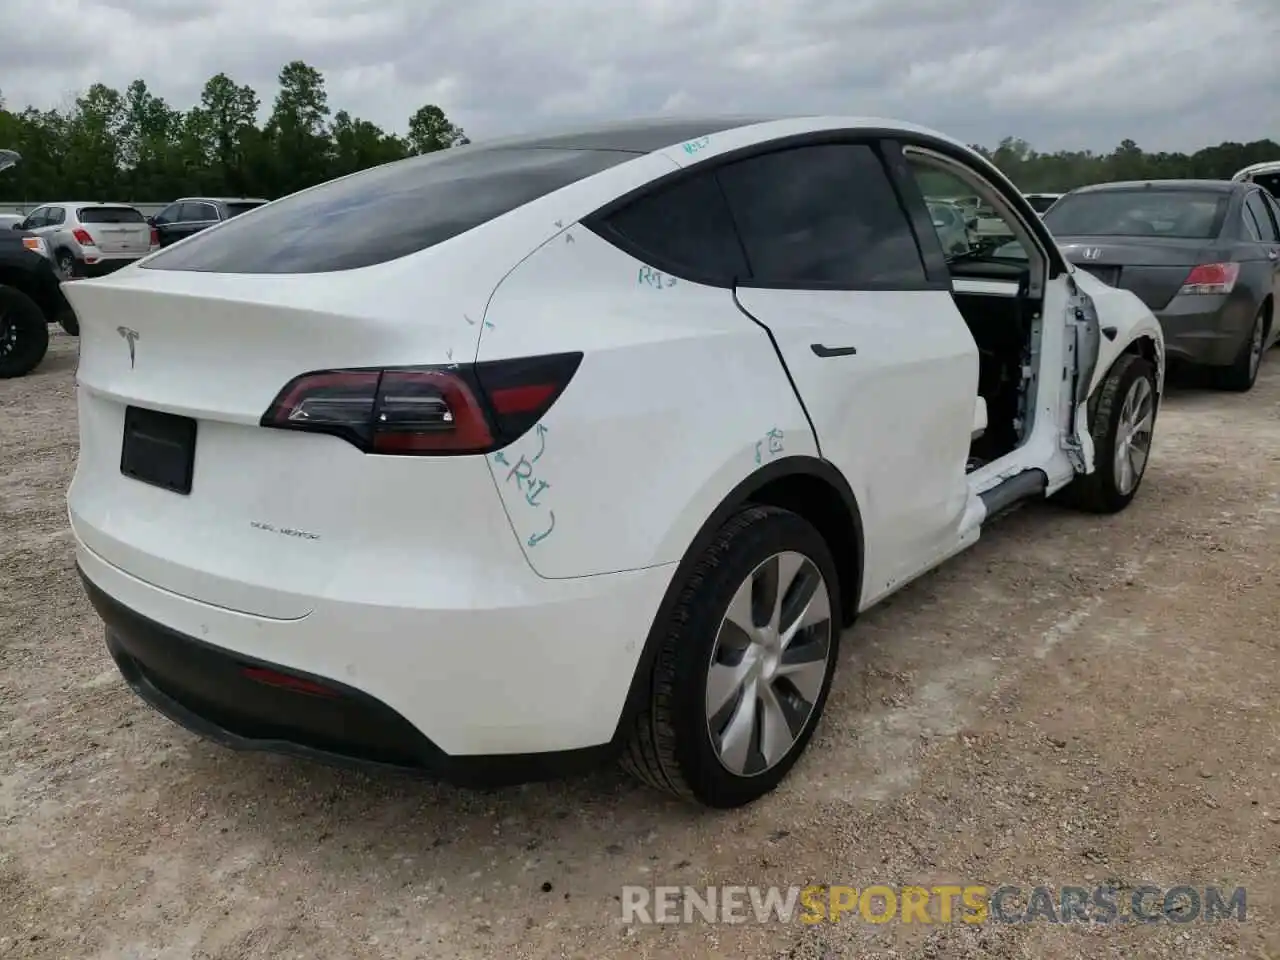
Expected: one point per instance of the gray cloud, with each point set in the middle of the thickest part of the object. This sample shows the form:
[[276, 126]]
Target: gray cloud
[[1171, 74]]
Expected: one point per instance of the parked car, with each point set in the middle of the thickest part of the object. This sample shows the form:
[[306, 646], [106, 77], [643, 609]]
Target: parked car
[[1041, 202], [1265, 175], [574, 446], [30, 299], [1203, 254], [91, 239], [952, 225], [190, 215]]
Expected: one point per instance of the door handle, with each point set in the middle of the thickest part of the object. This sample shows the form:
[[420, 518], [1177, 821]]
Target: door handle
[[1273, 255], [825, 351]]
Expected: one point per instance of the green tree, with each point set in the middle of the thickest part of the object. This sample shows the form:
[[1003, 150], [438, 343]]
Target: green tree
[[430, 130]]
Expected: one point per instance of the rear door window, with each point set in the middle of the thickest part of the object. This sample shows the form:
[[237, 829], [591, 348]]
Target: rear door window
[[235, 209], [198, 212], [683, 229], [386, 212], [110, 215], [55, 216], [1259, 216], [823, 216]]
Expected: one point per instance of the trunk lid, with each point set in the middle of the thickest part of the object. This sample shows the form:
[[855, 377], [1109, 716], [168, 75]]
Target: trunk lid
[[116, 230], [1152, 269], [218, 349]]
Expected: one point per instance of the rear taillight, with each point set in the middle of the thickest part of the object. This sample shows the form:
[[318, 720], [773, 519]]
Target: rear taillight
[[155, 237], [425, 411], [82, 237], [1211, 278]]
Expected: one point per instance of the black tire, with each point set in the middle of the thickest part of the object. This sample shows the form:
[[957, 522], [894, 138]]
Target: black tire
[[68, 321], [1243, 372], [66, 264], [1098, 492], [24, 334], [670, 747]]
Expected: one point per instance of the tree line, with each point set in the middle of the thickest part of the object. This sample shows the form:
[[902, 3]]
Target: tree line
[[135, 146]]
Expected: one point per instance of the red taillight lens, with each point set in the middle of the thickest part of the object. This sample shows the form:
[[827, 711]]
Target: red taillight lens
[[425, 410], [1211, 278], [155, 237], [82, 237]]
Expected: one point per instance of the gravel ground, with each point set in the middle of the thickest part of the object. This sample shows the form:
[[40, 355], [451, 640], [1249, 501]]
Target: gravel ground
[[1074, 701]]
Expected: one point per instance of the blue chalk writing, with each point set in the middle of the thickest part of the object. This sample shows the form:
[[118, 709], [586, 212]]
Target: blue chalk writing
[[488, 324], [693, 146], [537, 538], [542, 441], [568, 238], [469, 320], [560, 224], [654, 278], [527, 480], [771, 442]]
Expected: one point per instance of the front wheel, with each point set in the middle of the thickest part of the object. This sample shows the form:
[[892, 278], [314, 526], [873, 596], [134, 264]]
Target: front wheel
[[1122, 427], [66, 265], [745, 665], [24, 333]]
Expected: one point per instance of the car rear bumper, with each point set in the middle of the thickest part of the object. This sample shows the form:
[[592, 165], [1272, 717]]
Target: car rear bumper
[[1206, 330], [497, 696], [103, 266]]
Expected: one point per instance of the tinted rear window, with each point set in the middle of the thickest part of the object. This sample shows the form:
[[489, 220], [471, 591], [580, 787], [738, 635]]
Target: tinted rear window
[[686, 229], [235, 209], [110, 215], [386, 212], [1185, 214]]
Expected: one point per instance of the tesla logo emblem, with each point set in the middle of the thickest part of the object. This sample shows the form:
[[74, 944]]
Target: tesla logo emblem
[[1091, 253], [131, 337]]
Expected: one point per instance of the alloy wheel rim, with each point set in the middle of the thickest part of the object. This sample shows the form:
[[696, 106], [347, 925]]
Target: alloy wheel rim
[[8, 334], [769, 663], [1133, 435]]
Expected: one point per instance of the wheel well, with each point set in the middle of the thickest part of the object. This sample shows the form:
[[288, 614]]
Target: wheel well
[[1269, 309], [822, 505], [1145, 348]]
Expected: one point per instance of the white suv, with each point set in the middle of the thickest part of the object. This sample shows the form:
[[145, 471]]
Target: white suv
[[496, 462]]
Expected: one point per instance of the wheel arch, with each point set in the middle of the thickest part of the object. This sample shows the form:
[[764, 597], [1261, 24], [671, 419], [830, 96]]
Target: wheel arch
[[806, 485], [1143, 345]]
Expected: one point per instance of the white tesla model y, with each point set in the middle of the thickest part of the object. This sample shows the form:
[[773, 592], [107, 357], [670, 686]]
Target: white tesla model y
[[495, 462]]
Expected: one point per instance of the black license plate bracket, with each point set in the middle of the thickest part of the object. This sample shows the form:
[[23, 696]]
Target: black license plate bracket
[[159, 449]]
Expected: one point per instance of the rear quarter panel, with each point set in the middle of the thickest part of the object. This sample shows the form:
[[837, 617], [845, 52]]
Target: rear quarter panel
[[679, 398]]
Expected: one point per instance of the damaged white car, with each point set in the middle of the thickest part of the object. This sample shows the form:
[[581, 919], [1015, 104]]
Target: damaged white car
[[595, 454]]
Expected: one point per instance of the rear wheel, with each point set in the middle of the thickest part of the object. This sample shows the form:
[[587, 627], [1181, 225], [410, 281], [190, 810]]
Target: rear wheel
[[1243, 373], [24, 333], [743, 672], [66, 264]]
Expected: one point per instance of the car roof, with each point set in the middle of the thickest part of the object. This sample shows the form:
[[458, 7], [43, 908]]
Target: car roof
[[649, 135], [1266, 166], [221, 200], [1199, 186]]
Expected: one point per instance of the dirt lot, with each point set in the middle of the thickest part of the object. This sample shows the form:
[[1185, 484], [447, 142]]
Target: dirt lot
[[1075, 701]]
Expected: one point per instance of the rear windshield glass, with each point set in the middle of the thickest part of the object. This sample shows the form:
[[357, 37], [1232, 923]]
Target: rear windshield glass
[[235, 209], [386, 212], [1139, 213], [110, 215], [1041, 204]]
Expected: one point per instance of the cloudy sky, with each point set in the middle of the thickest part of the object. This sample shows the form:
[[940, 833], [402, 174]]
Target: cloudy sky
[[1171, 74]]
